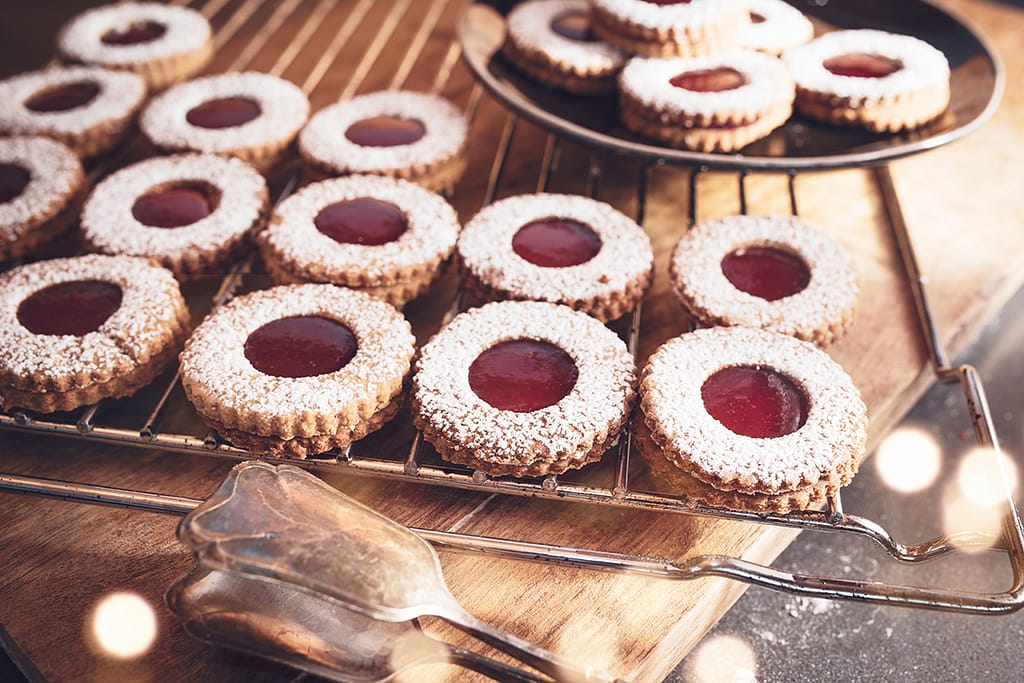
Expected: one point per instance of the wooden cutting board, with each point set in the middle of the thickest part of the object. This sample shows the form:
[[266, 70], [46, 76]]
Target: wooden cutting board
[[962, 203]]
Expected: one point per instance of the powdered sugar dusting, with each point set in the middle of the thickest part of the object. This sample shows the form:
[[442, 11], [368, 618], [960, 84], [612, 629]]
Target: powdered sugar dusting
[[323, 140], [833, 436], [768, 81], [284, 110], [691, 14], [56, 175], [529, 27], [151, 304], [602, 394], [486, 249], [214, 363], [784, 26], [108, 223], [120, 95], [294, 240], [81, 39], [923, 65], [700, 283]]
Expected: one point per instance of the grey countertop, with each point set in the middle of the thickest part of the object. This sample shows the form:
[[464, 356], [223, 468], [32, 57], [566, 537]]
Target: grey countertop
[[771, 636]]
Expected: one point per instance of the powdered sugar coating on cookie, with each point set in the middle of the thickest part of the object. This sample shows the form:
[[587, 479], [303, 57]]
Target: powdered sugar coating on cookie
[[214, 365], [120, 94], [624, 258], [81, 39], [828, 299], [922, 66], [109, 225], [529, 27], [293, 239], [284, 109], [323, 140], [767, 82], [601, 397], [151, 308], [782, 26], [682, 15], [830, 440], [55, 177]]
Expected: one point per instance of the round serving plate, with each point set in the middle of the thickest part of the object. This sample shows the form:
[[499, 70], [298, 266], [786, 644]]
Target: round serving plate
[[801, 144]]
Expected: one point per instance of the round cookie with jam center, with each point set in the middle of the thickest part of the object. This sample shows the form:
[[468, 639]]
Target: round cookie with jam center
[[414, 136], [192, 213], [77, 330], [559, 248], [754, 412], [41, 186], [775, 26], [708, 104], [249, 115], [385, 236], [524, 388], [552, 42], [773, 272], [670, 28], [871, 79], [87, 108], [297, 370], [162, 44]]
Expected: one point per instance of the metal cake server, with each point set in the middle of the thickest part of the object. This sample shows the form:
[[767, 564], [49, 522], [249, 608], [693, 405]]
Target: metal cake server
[[276, 621], [282, 524]]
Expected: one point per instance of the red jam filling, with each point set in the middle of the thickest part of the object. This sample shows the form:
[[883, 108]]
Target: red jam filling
[[709, 80], [523, 375], [766, 272], [861, 65], [754, 401], [13, 181], [556, 243], [76, 308], [385, 131], [134, 34], [363, 220], [174, 207], [224, 112], [301, 346], [64, 97], [574, 26]]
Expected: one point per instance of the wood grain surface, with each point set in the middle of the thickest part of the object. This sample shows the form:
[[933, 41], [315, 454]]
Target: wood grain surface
[[57, 559]]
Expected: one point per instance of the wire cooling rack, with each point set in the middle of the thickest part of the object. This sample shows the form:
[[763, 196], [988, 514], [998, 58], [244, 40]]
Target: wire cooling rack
[[618, 480]]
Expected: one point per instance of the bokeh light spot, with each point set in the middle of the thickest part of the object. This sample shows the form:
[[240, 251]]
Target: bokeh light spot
[[980, 476], [124, 625], [724, 658], [908, 460]]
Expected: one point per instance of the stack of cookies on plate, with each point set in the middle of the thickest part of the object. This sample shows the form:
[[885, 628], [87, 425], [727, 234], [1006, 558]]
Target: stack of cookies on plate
[[717, 75]]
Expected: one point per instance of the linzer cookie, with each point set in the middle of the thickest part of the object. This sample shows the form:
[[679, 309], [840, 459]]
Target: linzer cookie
[[410, 135], [709, 104], [670, 28], [81, 329], [385, 236], [162, 44], [757, 413], [87, 108], [774, 26], [192, 213], [872, 79], [523, 387], [248, 115], [773, 272], [298, 370], [551, 41], [41, 185], [560, 248]]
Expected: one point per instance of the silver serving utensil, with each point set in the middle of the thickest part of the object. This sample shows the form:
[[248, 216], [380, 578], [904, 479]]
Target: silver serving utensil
[[276, 621], [283, 524]]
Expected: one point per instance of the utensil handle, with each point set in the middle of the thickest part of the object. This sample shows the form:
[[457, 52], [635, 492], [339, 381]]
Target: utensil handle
[[492, 668], [548, 662]]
